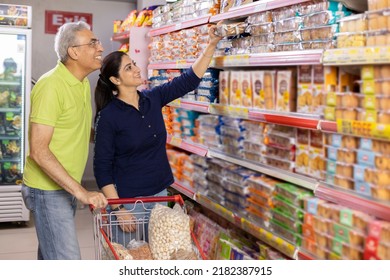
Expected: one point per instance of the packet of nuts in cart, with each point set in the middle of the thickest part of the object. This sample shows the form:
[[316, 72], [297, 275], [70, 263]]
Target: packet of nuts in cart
[[139, 250], [169, 231]]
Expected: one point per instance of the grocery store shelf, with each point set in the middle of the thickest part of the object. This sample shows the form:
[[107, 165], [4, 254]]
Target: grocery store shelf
[[264, 235], [286, 58], [300, 180], [197, 106], [354, 201], [327, 126], [357, 56], [180, 187], [252, 8], [269, 59], [244, 60], [179, 26], [290, 119], [121, 37], [230, 111], [298, 120], [179, 64], [187, 145]]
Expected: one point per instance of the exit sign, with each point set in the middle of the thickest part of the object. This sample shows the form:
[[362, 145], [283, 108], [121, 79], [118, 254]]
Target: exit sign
[[54, 19]]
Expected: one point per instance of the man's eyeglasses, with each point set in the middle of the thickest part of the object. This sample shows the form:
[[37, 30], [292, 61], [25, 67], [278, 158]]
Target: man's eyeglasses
[[93, 44]]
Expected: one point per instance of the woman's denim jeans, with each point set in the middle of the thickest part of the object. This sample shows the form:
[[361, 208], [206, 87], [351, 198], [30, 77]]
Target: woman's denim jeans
[[138, 210], [53, 213]]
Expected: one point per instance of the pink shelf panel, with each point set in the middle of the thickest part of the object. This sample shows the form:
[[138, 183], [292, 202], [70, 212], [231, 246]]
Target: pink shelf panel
[[328, 126], [180, 64], [375, 208], [183, 189], [195, 106], [194, 148], [286, 58], [255, 7], [180, 25]]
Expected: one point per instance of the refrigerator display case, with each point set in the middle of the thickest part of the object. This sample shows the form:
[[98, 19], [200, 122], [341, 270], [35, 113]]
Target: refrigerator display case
[[15, 87]]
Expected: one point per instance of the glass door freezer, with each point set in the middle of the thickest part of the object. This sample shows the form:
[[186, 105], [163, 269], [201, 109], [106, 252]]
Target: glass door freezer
[[15, 87]]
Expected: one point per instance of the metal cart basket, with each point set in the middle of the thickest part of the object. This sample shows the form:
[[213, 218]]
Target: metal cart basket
[[104, 224]]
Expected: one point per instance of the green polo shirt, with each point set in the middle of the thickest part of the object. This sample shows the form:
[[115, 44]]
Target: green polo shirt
[[60, 100]]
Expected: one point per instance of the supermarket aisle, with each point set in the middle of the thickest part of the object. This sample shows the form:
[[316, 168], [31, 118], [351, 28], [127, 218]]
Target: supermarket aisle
[[20, 242]]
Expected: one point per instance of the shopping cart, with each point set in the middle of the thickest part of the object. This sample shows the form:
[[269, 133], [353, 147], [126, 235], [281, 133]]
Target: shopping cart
[[104, 225]]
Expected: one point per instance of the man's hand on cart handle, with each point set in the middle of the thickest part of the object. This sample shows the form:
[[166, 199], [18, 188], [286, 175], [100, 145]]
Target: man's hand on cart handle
[[97, 199], [126, 220]]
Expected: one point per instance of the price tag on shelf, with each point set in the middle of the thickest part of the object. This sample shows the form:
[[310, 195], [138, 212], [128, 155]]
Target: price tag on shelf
[[356, 55], [175, 141], [236, 60], [218, 109], [238, 112], [364, 129], [269, 236], [379, 55], [357, 128], [182, 63], [333, 56]]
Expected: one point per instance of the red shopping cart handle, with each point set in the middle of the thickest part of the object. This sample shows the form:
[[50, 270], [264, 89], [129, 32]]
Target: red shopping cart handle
[[173, 198]]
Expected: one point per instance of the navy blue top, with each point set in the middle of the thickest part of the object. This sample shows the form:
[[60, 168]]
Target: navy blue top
[[130, 144]]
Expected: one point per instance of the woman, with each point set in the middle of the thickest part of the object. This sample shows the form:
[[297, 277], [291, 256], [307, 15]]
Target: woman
[[130, 136]]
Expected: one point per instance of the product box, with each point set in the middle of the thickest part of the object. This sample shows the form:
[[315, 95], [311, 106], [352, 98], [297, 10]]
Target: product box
[[235, 88], [316, 154], [263, 89], [246, 86], [305, 89], [285, 91], [302, 151], [224, 87], [257, 78], [324, 83]]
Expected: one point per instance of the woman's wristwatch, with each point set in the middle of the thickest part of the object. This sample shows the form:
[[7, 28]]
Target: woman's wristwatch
[[121, 206]]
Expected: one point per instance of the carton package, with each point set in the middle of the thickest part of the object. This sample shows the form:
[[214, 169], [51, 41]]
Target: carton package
[[224, 87], [285, 91]]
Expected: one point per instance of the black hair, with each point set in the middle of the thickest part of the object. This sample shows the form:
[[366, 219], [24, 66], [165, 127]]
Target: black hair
[[104, 87]]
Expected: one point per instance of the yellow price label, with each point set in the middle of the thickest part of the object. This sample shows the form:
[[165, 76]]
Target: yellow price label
[[238, 112], [363, 128], [181, 63], [344, 126], [269, 236], [218, 109], [236, 60]]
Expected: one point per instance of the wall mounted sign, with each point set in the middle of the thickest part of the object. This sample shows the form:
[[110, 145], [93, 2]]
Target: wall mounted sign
[[54, 19]]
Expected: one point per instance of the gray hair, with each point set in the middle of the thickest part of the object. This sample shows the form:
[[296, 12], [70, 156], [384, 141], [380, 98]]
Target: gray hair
[[66, 37]]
